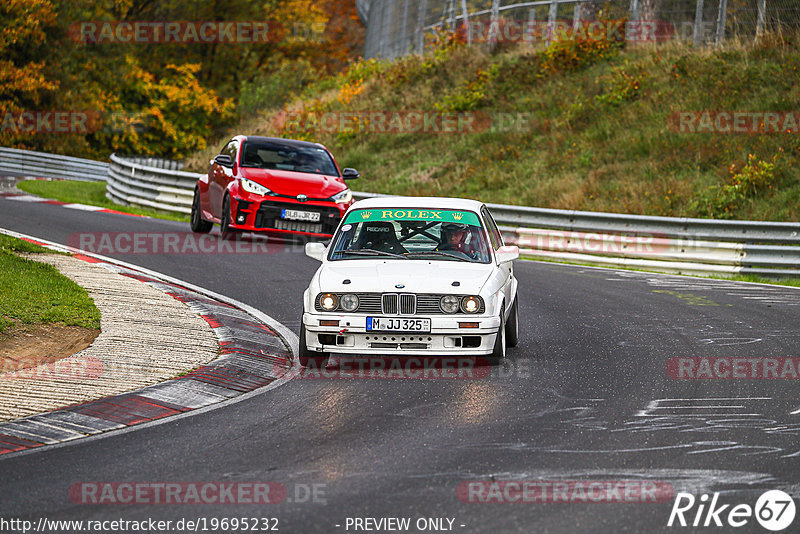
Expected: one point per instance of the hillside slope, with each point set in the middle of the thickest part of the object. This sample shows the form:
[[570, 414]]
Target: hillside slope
[[597, 127]]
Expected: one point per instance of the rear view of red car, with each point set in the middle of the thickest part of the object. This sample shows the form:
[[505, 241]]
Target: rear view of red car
[[271, 185]]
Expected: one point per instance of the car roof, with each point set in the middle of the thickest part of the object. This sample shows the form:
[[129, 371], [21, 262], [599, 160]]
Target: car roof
[[290, 142], [419, 202]]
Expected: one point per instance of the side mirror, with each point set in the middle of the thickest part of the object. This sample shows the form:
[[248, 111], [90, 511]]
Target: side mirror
[[507, 253], [315, 250], [350, 174], [224, 160]]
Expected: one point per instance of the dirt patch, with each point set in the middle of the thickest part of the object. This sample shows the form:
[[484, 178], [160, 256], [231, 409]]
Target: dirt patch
[[26, 346]]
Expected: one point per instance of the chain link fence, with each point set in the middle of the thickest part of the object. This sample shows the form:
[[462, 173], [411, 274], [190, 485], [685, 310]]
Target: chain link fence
[[399, 27]]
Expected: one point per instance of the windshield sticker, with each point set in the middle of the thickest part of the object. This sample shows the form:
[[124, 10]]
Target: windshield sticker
[[347, 227], [463, 217]]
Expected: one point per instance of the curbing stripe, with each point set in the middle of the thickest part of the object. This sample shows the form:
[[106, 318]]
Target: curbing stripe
[[255, 352]]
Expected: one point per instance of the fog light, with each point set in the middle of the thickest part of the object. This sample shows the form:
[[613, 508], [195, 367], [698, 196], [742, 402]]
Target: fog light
[[240, 219]]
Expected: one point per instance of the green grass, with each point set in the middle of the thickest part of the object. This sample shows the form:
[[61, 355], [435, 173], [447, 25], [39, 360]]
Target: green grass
[[598, 139], [90, 193], [35, 292]]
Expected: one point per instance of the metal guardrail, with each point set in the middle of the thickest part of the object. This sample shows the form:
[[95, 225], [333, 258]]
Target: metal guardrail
[[666, 244], [151, 183], [29, 164]]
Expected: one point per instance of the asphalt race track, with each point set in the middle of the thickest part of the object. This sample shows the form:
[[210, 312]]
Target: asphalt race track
[[586, 396]]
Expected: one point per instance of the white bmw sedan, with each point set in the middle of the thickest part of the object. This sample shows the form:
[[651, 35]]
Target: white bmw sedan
[[412, 276]]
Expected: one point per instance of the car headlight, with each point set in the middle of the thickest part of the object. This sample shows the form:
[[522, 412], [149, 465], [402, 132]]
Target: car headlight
[[349, 302], [328, 301], [470, 304], [343, 197], [449, 303], [251, 187]]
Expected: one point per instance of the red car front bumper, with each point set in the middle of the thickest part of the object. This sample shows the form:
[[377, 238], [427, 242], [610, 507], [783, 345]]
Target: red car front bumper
[[269, 215]]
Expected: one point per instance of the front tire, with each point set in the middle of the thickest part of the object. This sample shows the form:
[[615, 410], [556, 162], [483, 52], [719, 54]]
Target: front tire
[[306, 357], [225, 221], [196, 221], [499, 350], [512, 326]]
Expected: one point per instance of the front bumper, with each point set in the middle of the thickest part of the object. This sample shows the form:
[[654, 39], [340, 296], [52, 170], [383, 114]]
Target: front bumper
[[257, 214], [446, 338]]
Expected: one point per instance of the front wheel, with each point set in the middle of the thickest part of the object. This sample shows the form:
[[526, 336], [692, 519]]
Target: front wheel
[[196, 221], [499, 350], [225, 221], [306, 357], [512, 326]]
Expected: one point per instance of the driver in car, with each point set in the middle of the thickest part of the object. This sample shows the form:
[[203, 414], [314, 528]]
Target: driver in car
[[454, 238]]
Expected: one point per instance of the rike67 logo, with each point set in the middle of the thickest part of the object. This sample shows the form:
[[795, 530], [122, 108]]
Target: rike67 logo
[[774, 510]]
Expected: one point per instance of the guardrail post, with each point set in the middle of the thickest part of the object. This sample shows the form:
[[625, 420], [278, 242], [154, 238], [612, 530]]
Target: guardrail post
[[762, 8], [465, 16], [721, 14], [634, 9], [421, 26], [494, 24], [698, 24], [551, 20], [530, 31]]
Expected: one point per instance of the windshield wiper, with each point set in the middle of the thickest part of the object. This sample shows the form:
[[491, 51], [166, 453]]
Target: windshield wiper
[[438, 253], [372, 252]]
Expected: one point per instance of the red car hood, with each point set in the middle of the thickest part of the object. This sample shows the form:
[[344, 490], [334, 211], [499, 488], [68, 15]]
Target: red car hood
[[295, 183]]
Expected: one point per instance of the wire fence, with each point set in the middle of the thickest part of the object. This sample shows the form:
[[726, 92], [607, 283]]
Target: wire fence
[[399, 27]]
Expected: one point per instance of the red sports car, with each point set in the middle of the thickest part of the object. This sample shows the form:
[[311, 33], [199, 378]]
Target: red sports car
[[277, 186]]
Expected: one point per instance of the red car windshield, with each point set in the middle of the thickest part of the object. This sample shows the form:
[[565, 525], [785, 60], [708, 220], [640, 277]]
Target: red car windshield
[[285, 157]]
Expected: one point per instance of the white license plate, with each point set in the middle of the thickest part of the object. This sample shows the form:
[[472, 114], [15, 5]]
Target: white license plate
[[297, 215], [397, 324]]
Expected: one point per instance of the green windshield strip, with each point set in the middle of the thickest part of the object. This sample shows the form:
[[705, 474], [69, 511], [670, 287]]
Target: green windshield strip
[[463, 217]]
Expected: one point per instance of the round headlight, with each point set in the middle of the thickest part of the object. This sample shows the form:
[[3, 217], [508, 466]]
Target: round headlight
[[349, 302], [449, 303], [328, 301], [470, 304]]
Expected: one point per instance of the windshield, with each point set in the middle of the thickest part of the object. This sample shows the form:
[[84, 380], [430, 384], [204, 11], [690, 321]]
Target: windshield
[[285, 157], [411, 234]]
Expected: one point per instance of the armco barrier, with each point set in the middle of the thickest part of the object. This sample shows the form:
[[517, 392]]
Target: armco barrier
[[31, 164], [147, 183], [667, 244]]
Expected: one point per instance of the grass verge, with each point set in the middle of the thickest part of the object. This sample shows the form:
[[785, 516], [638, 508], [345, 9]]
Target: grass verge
[[598, 128], [35, 292], [90, 193]]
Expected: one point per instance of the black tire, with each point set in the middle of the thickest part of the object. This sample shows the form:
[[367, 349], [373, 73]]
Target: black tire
[[512, 325], [196, 221], [225, 221], [307, 358], [499, 350]]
